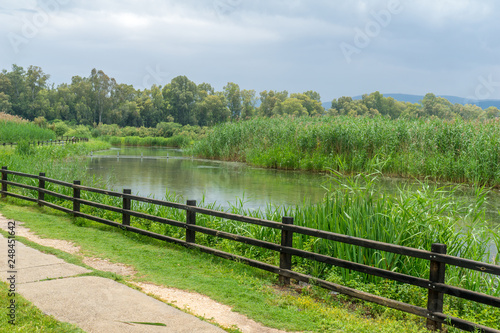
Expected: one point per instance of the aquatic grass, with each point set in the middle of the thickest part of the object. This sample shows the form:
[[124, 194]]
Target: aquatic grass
[[457, 151], [15, 131], [178, 141]]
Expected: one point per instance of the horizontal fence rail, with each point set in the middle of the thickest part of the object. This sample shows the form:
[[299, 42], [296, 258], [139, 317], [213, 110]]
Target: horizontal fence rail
[[437, 257]]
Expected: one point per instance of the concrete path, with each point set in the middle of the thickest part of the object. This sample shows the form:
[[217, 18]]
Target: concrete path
[[94, 304]]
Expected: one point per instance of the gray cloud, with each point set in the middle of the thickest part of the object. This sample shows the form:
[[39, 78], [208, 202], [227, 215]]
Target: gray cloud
[[440, 46]]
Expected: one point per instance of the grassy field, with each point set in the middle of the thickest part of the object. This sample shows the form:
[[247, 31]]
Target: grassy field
[[249, 291], [456, 151]]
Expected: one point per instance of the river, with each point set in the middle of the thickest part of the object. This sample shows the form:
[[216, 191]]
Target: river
[[151, 172]]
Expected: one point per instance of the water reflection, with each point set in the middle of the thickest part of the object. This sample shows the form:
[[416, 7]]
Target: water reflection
[[160, 170]]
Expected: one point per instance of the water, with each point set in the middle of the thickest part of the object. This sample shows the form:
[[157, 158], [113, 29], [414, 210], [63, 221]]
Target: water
[[225, 183]]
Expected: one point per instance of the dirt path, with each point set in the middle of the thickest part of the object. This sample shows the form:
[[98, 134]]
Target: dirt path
[[192, 303]]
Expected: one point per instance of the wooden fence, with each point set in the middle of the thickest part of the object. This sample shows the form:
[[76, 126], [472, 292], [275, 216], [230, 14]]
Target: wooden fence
[[437, 256], [60, 141]]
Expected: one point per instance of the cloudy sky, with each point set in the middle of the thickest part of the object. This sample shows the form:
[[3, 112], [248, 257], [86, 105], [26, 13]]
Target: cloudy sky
[[337, 48]]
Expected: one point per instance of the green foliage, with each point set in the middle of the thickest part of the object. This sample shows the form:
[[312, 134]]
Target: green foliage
[[15, 132], [79, 131], [457, 150], [60, 128], [57, 161], [167, 130], [177, 141], [24, 147], [99, 100]]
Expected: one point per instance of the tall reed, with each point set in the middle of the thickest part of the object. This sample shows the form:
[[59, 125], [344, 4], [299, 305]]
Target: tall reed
[[13, 131], [457, 151]]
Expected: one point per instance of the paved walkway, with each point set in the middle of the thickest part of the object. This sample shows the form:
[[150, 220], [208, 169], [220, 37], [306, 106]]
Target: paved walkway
[[94, 304]]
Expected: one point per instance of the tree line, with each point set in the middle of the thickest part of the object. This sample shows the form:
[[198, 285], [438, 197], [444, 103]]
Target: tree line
[[99, 99]]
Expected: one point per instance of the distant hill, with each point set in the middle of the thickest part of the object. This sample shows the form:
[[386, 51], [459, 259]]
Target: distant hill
[[484, 103]]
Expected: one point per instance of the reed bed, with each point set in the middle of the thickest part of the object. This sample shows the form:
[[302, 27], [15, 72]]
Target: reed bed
[[176, 141], [457, 151], [16, 131]]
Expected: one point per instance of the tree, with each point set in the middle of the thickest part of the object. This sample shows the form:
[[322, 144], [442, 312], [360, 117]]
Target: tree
[[269, 100], [102, 86], [17, 91], [213, 110], [315, 96], [81, 90], [291, 106], [343, 105], [5, 105], [205, 89], [248, 101], [180, 94], [492, 113], [233, 98], [311, 101], [437, 106], [36, 80]]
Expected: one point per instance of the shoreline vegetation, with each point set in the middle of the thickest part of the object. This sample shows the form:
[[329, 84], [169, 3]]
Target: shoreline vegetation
[[455, 151], [463, 151]]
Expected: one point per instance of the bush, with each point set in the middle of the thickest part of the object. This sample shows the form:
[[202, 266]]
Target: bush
[[80, 131], [60, 128]]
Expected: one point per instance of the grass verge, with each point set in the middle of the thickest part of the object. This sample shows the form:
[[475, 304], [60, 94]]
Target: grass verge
[[249, 291]]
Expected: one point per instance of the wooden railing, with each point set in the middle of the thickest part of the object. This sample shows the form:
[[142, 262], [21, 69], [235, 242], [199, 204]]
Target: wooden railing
[[60, 141], [437, 256]]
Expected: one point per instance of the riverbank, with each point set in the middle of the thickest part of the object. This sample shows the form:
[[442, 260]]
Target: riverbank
[[246, 290], [413, 218]]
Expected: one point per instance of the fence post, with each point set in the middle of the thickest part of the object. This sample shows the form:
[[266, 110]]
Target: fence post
[[4, 184], [76, 197], [126, 206], [41, 186], [191, 219], [286, 258], [434, 298]]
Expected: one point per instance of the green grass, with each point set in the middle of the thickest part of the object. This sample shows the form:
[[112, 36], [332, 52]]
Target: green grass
[[59, 161], [247, 290], [23, 131], [458, 151]]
